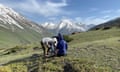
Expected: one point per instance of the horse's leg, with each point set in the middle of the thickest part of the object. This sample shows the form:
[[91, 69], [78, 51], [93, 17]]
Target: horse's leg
[[43, 47], [48, 49]]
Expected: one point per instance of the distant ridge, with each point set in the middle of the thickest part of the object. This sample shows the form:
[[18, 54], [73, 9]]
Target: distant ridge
[[108, 25], [66, 26]]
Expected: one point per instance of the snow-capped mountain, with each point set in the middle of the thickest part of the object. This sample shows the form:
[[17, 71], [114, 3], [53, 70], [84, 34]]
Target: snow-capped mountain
[[5, 17], [49, 25], [65, 26], [15, 25], [12, 20]]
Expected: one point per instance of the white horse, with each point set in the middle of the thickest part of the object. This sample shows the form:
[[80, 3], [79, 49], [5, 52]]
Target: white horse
[[47, 44]]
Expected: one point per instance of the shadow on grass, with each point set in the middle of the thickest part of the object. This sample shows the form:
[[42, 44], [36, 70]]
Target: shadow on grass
[[68, 68]]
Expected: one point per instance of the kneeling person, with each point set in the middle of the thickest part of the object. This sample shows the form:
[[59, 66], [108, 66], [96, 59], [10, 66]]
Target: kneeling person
[[61, 46]]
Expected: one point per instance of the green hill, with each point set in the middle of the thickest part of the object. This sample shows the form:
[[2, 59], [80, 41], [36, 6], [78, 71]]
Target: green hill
[[19, 37], [15, 29], [92, 51], [108, 25], [102, 47]]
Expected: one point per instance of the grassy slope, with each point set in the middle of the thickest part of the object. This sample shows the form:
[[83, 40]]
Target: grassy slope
[[103, 47], [93, 51], [7, 38], [10, 39]]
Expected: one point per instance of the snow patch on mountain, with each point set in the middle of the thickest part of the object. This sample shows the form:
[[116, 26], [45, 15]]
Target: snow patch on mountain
[[49, 25], [70, 26], [5, 16], [64, 23], [65, 26]]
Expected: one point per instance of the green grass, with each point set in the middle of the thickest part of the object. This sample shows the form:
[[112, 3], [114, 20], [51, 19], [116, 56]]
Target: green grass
[[19, 37], [95, 35], [93, 51], [18, 52], [56, 64], [103, 47]]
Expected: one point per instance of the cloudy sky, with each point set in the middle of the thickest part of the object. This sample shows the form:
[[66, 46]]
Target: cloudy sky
[[84, 11]]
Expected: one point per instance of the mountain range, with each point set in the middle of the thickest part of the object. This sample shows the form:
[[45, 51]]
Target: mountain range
[[66, 26], [15, 29]]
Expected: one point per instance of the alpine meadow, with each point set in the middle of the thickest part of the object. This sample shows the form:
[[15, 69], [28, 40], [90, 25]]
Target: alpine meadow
[[91, 30]]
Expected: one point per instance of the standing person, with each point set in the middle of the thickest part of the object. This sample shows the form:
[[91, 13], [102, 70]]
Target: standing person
[[61, 46]]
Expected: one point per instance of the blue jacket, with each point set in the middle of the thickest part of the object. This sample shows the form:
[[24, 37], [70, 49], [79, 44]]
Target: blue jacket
[[62, 45]]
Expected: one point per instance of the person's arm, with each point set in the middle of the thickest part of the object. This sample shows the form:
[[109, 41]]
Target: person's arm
[[57, 48]]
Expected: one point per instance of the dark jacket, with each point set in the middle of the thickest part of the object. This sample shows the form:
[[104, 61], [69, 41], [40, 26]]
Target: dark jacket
[[62, 45]]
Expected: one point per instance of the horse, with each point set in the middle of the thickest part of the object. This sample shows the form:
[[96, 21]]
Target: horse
[[48, 44]]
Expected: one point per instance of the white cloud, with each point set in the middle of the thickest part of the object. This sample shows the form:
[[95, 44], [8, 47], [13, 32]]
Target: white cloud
[[78, 19], [88, 20], [41, 7], [62, 4], [93, 9], [106, 17], [99, 20], [67, 18], [52, 18], [94, 20], [118, 11], [106, 11]]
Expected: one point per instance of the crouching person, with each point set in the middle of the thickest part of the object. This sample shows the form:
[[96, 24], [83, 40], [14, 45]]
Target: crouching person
[[61, 49], [47, 44]]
